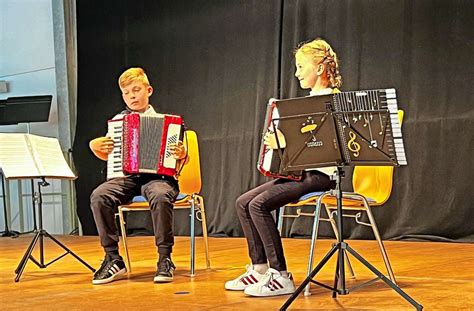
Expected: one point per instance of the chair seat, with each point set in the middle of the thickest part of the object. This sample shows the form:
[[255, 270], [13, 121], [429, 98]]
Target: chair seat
[[308, 198], [348, 200], [140, 198], [311, 195], [139, 202]]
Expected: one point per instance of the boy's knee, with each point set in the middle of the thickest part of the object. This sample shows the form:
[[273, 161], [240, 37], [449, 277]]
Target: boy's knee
[[163, 200], [99, 199]]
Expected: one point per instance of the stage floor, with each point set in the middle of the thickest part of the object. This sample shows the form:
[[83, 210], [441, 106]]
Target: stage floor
[[440, 276]]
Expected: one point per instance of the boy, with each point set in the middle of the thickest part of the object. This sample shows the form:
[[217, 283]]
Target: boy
[[160, 191]]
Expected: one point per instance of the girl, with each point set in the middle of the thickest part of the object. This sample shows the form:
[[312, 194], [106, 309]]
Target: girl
[[317, 69]]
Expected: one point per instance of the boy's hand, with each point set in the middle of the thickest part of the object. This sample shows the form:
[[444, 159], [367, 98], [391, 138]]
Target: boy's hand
[[102, 145], [178, 150], [269, 139]]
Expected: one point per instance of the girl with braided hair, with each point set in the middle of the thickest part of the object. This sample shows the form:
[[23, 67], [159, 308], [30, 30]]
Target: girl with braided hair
[[317, 69], [319, 56]]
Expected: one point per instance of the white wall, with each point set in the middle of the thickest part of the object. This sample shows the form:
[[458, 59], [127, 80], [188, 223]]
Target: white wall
[[28, 64]]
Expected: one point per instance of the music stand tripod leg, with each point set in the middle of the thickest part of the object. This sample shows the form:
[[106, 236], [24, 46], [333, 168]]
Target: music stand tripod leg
[[68, 251], [310, 277], [7, 231], [40, 234], [26, 256], [342, 247], [384, 278]]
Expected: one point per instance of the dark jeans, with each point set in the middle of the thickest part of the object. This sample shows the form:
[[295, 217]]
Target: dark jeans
[[160, 192], [254, 210]]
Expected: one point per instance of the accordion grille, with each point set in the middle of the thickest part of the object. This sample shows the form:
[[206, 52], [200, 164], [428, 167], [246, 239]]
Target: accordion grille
[[151, 129]]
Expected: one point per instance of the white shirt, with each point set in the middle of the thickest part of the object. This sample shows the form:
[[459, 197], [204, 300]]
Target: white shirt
[[148, 110]]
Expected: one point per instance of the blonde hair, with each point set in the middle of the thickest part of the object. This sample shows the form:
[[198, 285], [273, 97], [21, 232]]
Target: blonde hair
[[131, 75], [322, 52]]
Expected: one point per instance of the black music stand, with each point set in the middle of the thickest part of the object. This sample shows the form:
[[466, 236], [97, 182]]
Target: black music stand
[[39, 236], [295, 158], [25, 109]]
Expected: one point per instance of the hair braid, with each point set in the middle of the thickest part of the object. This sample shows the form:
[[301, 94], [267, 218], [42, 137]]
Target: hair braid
[[322, 52]]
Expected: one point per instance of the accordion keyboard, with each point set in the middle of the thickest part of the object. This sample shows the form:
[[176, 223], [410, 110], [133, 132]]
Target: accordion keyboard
[[114, 162]]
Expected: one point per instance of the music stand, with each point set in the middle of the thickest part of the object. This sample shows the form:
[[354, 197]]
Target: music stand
[[26, 156], [301, 154], [40, 234], [24, 109]]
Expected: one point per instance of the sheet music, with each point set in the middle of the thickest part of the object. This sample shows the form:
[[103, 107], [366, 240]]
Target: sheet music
[[30, 156], [15, 157]]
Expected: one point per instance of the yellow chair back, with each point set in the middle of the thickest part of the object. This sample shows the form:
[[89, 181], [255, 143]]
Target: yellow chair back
[[190, 176], [375, 182]]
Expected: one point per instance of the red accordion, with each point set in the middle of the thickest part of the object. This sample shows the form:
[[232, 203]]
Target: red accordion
[[142, 144]]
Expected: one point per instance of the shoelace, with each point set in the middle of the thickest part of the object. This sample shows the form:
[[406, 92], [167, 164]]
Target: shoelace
[[268, 274], [248, 268], [164, 265], [104, 268]]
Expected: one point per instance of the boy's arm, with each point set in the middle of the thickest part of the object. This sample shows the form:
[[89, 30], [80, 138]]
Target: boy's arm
[[101, 147]]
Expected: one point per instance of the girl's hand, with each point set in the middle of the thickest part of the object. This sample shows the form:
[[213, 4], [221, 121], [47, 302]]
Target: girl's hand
[[270, 137]]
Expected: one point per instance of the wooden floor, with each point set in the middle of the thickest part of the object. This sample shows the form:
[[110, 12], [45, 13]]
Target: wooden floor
[[440, 276]]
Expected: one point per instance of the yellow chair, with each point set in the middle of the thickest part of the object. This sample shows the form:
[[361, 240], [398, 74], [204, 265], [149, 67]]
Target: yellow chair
[[372, 187], [190, 185]]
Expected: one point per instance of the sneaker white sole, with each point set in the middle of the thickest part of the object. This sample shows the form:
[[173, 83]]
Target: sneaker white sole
[[229, 287], [162, 279], [114, 277], [270, 294]]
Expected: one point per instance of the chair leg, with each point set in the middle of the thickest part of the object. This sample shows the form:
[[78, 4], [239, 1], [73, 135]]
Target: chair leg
[[336, 233], [314, 236], [379, 241], [204, 229], [192, 216], [123, 230], [280, 219]]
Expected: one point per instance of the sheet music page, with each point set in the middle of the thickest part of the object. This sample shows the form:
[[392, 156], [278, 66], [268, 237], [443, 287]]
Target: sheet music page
[[16, 159], [49, 157]]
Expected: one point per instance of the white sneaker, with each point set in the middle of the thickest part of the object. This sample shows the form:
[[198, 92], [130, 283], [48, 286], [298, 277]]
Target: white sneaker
[[273, 284], [245, 280]]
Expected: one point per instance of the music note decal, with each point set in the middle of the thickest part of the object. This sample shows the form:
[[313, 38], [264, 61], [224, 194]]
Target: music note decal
[[352, 145]]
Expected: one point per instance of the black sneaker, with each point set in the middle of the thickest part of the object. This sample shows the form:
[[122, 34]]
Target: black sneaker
[[165, 271], [109, 271]]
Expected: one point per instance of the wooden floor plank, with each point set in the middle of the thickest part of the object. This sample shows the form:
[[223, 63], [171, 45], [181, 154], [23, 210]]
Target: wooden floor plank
[[440, 276]]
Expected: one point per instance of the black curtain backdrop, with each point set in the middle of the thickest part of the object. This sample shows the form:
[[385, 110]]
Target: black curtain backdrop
[[217, 63]]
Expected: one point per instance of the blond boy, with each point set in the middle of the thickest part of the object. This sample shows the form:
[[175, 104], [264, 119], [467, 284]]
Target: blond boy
[[159, 190]]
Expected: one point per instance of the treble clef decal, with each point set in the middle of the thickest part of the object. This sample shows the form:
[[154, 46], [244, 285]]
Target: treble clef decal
[[352, 145]]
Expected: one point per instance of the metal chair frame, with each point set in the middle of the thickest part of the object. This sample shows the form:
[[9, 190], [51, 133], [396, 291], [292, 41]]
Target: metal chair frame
[[190, 185], [196, 205]]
